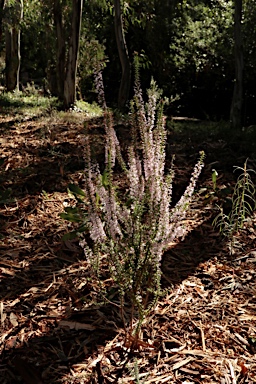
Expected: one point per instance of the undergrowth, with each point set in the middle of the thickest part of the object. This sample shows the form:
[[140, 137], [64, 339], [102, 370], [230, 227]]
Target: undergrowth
[[33, 103], [243, 205], [19, 103]]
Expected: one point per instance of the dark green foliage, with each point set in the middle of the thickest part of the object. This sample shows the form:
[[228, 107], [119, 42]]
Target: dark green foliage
[[76, 190], [187, 46]]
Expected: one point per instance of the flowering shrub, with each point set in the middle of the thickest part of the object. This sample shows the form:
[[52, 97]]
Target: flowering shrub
[[131, 230]]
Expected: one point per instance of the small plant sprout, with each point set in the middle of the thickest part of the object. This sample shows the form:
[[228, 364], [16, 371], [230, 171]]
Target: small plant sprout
[[214, 179], [130, 230], [243, 205]]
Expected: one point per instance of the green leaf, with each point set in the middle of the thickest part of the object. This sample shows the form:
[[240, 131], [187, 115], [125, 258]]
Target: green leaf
[[69, 236], [82, 228], [97, 200], [76, 190], [71, 210], [74, 218], [105, 179]]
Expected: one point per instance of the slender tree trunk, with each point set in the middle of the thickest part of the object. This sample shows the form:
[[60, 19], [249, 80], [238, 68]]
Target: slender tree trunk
[[72, 58], [237, 102], [124, 89], [12, 41], [2, 3], [61, 49]]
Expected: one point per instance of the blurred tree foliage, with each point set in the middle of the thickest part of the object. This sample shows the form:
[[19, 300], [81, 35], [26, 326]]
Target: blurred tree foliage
[[186, 45]]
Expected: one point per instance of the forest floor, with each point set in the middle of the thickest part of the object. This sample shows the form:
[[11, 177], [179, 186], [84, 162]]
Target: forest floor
[[53, 328]]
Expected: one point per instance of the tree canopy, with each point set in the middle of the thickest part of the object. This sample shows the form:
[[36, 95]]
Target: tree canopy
[[188, 47]]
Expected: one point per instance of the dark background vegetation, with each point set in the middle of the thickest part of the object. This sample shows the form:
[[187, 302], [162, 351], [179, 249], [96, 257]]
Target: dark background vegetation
[[186, 45]]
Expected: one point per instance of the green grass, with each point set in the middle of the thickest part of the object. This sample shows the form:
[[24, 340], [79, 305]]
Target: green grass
[[18, 103], [92, 110], [34, 104]]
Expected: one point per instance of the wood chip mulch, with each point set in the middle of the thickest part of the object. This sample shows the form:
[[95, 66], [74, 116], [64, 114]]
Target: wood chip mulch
[[53, 327]]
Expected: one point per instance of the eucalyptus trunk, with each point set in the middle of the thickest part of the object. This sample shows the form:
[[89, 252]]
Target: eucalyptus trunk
[[237, 101], [124, 89], [61, 48], [14, 15], [2, 3], [72, 56]]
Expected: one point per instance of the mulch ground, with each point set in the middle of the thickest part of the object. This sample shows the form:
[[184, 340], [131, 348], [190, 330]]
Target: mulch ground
[[54, 328]]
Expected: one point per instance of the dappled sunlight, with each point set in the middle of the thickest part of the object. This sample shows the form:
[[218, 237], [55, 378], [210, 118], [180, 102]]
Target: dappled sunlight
[[55, 327]]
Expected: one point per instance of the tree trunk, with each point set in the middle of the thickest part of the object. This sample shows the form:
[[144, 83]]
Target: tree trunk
[[123, 95], [72, 58], [12, 41], [2, 3], [61, 49], [237, 101]]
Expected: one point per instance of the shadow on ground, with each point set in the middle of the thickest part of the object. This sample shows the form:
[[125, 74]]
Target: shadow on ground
[[51, 347], [49, 320]]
